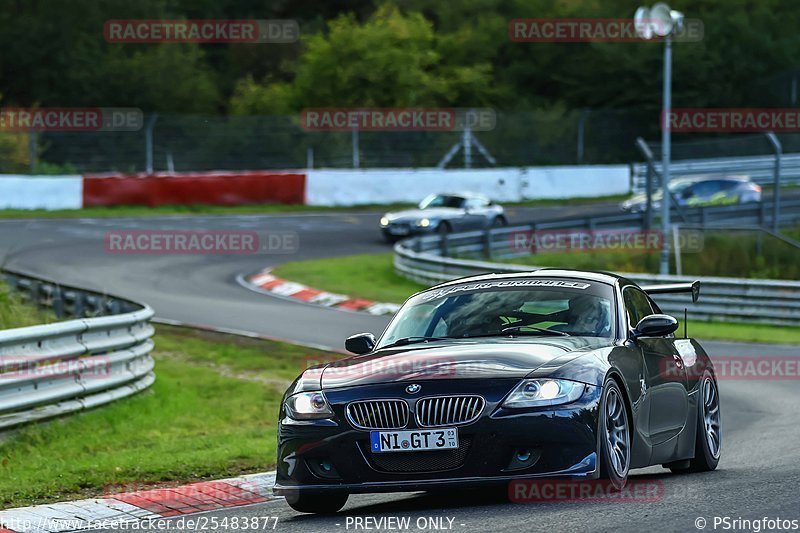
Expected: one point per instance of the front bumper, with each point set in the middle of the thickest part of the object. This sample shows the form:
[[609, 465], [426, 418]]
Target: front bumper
[[401, 230], [562, 440]]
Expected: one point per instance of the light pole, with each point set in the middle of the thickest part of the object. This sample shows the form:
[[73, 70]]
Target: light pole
[[663, 22]]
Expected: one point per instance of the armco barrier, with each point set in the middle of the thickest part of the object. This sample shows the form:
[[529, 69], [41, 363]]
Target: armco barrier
[[425, 260], [59, 368], [760, 168]]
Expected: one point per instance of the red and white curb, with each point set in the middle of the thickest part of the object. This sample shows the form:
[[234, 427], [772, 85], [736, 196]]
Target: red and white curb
[[267, 283], [110, 511]]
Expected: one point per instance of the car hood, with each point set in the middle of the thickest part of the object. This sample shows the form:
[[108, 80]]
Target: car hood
[[462, 359], [642, 198], [416, 214]]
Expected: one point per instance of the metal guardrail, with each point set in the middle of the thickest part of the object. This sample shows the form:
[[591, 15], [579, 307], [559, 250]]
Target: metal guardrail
[[500, 242], [59, 368], [760, 168], [434, 259]]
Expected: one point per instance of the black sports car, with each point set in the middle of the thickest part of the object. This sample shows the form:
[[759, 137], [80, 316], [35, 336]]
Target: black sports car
[[496, 378]]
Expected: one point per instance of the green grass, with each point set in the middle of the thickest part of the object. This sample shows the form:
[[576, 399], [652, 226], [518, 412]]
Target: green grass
[[368, 276], [729, 254], [372, 276], [741, 332], [170, 210], [15, 313], [210, 414], [260, 209]]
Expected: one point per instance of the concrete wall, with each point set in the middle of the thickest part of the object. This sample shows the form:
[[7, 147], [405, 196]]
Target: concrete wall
[[41, 192], [325, 187], [331, 187]]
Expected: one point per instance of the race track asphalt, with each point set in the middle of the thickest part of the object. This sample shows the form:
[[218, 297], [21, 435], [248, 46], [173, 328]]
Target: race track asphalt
[[759, 475]]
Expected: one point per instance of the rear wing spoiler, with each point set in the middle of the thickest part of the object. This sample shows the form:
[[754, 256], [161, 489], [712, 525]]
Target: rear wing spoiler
[[673, 288]]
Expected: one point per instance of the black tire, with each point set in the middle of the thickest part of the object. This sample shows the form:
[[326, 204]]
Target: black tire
[[317, 503], [443, 228], [499, 222], [707, 449], [613, 406]]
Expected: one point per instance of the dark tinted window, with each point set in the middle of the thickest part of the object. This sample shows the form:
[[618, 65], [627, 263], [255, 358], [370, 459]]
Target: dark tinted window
[[706, 188], [637, 305], [729, 185], [442, 200], [475, 203]]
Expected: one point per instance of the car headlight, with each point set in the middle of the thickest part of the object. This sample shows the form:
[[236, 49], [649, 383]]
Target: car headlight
[[384, 221], [308, 406], [423, 223], [544, 392]]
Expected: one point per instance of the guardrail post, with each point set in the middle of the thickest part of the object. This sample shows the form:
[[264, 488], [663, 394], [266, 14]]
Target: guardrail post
[[776, 193], [443, 245], [57, 301], [487, 243]]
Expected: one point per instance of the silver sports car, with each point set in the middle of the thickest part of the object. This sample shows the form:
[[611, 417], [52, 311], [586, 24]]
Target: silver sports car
[[443, 213]]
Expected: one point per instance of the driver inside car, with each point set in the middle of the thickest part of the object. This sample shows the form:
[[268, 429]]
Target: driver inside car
[[586, 315]]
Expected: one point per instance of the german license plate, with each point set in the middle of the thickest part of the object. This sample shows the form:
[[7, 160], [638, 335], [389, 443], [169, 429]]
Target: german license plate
[[414, 441], [399, 230]]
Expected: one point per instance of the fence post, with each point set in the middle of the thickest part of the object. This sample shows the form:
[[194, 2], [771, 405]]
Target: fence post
[[776, 193], [582, 134], [443, 245], [487, 243], [356, 158], [148, 143], [33, 150]]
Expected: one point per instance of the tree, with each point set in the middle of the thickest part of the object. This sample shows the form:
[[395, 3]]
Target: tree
[[389, 60]]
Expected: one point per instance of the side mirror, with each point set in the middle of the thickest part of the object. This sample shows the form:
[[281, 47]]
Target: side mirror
[[365, 343], [655, 326]]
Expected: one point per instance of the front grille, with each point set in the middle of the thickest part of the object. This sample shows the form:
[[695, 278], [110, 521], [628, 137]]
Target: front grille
[[378, 414], [423, 461], [448, 410]]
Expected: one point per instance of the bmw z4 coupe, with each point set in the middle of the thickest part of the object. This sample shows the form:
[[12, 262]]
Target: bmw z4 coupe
[[496, 378]]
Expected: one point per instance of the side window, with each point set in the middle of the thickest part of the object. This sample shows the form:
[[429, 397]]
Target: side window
[[637, 305], [474, 203]]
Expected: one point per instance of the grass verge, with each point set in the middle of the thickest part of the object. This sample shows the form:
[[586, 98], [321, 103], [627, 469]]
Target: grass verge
[[260, 209], [211, 413], [372, 276], [15, 313], [729, 253]]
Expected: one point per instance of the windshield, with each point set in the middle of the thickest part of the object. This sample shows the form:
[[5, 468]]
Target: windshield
[[679, 185], [441, 200], [508, 307]]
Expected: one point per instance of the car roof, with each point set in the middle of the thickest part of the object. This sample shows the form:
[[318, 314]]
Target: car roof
[[710, 177], [462, 194], [586, 275]]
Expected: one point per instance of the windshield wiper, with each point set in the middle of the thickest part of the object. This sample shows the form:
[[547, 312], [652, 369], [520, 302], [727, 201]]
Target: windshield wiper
[[412, 340], [533, 329], [528, 330]]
